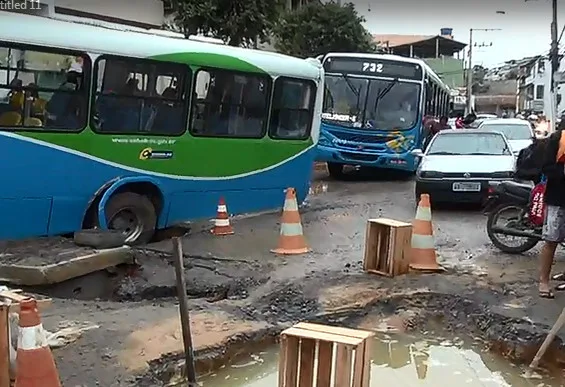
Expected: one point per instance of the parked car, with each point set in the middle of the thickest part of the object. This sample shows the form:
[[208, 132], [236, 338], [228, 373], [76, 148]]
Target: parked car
[[518, 132], [486, 116], [459, 165]]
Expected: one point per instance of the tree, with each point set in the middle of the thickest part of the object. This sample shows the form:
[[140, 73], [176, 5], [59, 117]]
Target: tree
[[318, 28], [238, 23]]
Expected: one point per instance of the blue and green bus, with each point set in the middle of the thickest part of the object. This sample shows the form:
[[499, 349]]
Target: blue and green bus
[[134, 131], [374, 109]]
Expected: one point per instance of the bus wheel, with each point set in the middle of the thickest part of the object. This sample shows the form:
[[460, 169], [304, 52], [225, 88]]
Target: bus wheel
[[335, 170], [134, 215]]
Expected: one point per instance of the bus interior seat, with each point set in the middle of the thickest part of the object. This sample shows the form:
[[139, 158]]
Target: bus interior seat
[[10, 118], [39, 106], [33, 122]]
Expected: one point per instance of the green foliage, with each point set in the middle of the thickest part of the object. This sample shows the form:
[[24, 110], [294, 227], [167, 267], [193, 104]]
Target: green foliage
[[236, 22], [319, 28]]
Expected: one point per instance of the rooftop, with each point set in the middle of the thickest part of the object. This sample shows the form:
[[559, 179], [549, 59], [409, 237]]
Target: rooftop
[[397, 40]]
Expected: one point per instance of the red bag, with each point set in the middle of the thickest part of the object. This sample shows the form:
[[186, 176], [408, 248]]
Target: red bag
[[537, 206]]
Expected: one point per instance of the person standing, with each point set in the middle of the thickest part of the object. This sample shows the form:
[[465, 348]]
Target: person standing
[[554, 199], [443, 123]]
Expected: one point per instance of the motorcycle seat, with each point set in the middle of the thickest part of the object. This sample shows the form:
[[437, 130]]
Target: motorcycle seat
[[518, 189]]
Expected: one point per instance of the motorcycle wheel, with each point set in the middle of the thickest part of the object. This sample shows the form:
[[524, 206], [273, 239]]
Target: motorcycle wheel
[[493, 216]]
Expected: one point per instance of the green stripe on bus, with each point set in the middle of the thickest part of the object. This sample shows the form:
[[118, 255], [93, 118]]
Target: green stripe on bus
[[205, 59], [198, 157]]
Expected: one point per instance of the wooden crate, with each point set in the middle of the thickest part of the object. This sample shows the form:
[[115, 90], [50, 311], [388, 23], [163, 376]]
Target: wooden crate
[[387, 247], [311, 354]]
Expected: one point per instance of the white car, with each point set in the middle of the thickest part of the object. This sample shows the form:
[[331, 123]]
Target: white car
[[459, 165], [486, 116], [518, 132]]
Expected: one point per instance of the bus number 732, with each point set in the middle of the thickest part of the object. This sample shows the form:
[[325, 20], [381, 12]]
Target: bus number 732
[[373, 67]]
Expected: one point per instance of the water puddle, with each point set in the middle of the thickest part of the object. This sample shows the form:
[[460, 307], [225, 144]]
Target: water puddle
[[402, 361]]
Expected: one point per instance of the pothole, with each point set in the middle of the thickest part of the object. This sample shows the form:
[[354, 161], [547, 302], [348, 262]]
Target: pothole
[[425, 339], [408, 360], [153, 277]]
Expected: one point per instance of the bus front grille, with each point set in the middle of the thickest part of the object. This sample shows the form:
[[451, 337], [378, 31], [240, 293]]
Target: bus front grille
[[359, 156], [362, 138]]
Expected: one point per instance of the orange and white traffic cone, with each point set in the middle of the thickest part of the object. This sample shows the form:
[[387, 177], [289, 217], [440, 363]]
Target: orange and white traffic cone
[[35, 363], [222, 224], [423, 249], [291, 241]]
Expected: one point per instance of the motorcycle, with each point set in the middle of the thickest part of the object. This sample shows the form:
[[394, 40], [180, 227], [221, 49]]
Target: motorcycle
[[524, 203]]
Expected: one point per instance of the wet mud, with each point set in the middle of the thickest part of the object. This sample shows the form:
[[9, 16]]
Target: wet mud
[[242, 296], [420, 312]]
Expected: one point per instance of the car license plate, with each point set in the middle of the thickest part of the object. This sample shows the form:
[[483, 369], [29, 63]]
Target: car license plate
[[466, 187]]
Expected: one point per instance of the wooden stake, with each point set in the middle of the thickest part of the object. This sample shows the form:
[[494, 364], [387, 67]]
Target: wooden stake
[[184, 314], [552, 333], [4, 346]]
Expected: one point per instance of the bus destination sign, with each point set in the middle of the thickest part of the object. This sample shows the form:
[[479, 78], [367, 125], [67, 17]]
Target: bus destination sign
[[375, 67]]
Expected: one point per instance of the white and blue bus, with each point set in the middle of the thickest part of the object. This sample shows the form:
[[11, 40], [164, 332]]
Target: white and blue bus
[[374, 110]]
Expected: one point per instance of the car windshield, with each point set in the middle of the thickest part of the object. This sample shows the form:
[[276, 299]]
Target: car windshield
[[370, 103], [487, 144], [511, 131]]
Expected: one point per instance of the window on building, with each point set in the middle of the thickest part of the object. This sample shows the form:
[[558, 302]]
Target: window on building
[[140, 97], [43, 90], [539, 92], [228, 104], [293, 109]]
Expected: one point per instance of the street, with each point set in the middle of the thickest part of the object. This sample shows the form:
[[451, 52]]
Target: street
[[242, 294]]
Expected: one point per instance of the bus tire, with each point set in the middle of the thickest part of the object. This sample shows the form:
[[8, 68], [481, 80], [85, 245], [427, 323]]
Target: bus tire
[[134, 214], [335, 170]]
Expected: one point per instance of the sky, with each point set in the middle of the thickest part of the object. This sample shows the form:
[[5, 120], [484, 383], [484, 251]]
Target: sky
[[524, 28]]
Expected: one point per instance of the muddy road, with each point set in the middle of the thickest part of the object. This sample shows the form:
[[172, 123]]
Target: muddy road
[[240, 291]]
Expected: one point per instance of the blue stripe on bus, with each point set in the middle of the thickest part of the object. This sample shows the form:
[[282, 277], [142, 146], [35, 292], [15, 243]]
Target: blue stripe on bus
[[46, 191]]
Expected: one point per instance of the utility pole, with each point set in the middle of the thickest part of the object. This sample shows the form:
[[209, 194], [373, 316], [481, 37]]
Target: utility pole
[[470, 73], [554, 57], [470, 66]]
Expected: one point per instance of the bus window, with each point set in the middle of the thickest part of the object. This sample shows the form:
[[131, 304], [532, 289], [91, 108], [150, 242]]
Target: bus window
[[42, 90], [293, 109], [140, 97], [227, 104]]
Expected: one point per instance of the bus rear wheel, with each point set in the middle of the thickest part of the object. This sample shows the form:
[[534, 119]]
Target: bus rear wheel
[[335, 170], [132, 214]]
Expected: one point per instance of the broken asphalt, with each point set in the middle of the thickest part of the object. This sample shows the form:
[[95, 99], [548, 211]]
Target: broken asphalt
[[241, 293]]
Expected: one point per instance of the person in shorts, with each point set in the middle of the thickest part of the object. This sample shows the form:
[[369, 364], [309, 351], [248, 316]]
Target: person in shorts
[[554, 198]]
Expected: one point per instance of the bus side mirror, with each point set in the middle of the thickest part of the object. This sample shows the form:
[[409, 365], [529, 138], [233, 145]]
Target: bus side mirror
[[451, 106]]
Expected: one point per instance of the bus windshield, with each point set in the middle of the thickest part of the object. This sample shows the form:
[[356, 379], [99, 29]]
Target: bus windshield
[[370, 103]]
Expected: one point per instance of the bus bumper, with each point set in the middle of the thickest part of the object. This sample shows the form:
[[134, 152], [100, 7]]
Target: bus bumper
[[400, 161]]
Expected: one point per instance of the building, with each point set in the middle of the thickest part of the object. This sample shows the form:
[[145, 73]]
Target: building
[[146, 14], [500, 97], [441, 52], [534, 83]]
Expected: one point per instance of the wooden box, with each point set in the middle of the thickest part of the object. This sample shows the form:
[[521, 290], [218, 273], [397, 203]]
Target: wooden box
[[387, 247], [323, 356]]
